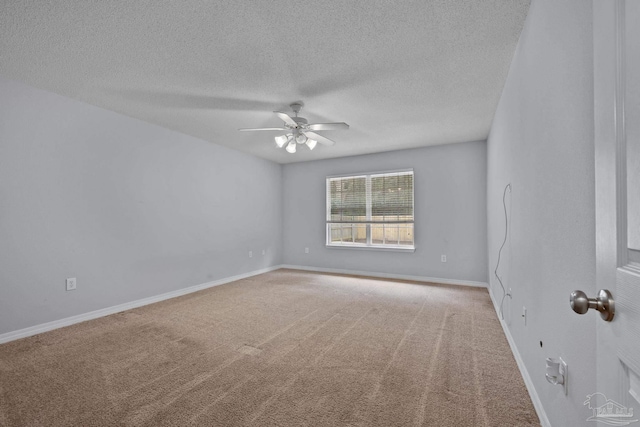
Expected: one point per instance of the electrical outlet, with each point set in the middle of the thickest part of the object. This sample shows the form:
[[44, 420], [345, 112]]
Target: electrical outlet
[[443, 258], [306, 250], [250, 254], [264, 252], [71, 283]]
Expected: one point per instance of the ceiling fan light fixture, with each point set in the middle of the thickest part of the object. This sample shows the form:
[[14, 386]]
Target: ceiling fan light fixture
[[281, 140], [291, 148], [311, 143], [301, 138]]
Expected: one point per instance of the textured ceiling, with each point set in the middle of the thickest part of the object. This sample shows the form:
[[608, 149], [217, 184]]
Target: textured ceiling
[[403, 74]]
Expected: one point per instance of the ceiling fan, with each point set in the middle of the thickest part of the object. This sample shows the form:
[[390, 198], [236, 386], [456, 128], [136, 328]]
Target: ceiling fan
[[299, 131]]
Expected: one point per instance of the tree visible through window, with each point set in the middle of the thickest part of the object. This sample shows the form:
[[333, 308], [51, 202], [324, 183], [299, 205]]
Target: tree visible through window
[[372, 210]]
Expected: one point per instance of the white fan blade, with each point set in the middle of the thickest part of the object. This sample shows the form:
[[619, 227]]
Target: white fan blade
[[328, 126], [286, 118], [321, 139], [252, 129]]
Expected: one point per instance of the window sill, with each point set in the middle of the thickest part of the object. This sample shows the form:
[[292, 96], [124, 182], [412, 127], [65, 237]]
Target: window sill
[[374, 248]]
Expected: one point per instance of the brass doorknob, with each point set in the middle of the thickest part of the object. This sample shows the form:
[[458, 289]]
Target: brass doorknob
[[603, 303]]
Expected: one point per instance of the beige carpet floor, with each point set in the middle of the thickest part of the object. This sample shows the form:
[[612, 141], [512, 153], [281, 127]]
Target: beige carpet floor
[[286, 348]]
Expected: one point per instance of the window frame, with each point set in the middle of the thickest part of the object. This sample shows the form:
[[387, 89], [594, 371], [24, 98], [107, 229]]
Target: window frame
[[368, 245]]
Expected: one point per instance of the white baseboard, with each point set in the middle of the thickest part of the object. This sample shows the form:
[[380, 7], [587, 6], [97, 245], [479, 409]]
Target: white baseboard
[[388, 276], [49, 326], [535, 399]]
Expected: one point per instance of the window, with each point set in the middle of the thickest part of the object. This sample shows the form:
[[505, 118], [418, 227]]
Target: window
[[371, 210]]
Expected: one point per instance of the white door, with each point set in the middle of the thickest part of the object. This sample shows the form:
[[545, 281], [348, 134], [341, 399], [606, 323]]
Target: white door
[[616, 25]]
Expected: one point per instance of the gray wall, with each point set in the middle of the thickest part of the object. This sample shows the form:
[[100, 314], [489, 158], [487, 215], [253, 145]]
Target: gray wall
[[542, 143], [129, 209], [450, 213]]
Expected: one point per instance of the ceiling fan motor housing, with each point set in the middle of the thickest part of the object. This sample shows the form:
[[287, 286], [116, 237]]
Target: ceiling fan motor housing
[[300, 120]]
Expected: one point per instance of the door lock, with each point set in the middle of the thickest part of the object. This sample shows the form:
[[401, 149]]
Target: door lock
[[604, 303]]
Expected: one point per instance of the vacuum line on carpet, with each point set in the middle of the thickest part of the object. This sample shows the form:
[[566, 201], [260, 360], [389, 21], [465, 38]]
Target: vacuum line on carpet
[[280, 332], [407, 331], [480, 407], [271, 361], [422, 407], [183, 389], [295, 377]]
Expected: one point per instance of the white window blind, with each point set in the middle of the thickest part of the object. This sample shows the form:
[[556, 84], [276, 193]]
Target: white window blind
[[372, 210]]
